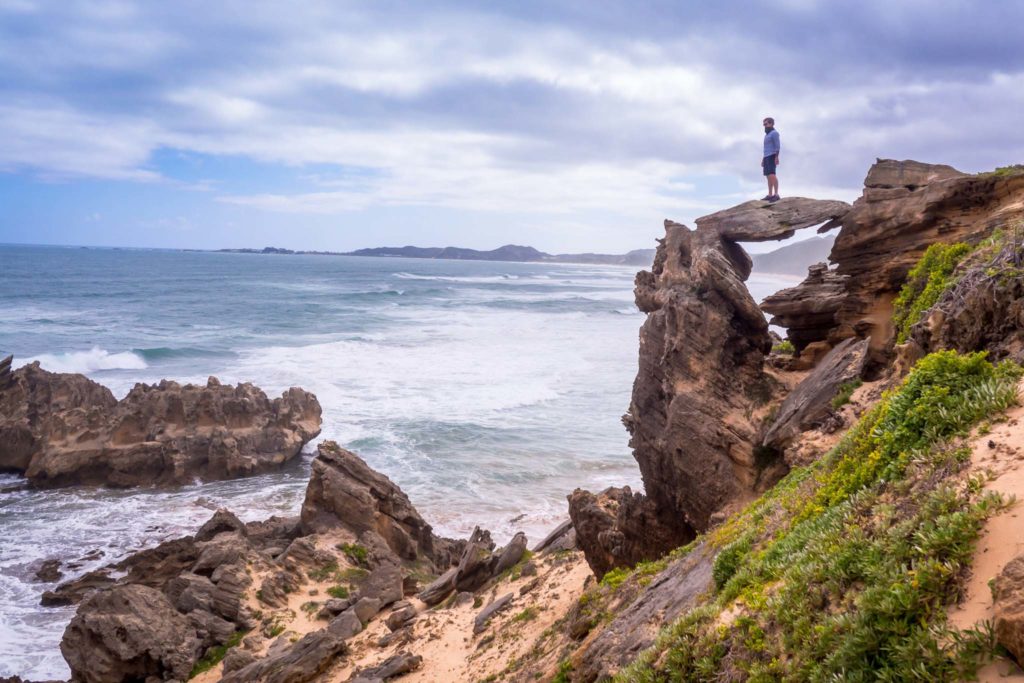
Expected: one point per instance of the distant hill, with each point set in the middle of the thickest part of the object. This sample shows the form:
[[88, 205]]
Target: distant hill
[[509, 252], [794, 259]]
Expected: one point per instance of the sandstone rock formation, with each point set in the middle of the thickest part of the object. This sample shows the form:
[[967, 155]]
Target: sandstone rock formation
[[1008, 596], [343, 492], [61, 429], [906, 206], [701, 382]]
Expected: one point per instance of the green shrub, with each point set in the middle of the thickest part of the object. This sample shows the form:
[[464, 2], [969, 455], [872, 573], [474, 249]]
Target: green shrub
[[926, 282], [564, 673], [784, 346], [216, 654], [615, 577], [357, 554], [338, 591], [844, 569], [844, 393], [323, 573]]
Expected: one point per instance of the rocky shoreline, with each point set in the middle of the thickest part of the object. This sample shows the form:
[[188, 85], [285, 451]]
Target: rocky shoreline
[[357, 587]]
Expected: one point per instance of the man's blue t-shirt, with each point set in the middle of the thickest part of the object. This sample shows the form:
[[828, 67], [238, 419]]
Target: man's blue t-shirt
[[772, 145]]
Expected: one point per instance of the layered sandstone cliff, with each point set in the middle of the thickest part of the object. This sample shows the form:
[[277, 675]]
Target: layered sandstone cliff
[[60, 429]]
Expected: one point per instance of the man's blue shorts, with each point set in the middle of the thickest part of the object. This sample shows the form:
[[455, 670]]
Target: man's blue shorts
[[768, 164]]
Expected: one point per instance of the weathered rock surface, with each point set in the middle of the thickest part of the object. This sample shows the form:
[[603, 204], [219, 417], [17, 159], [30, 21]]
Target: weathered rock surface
[[562, 537], [488, 612], [129, 633], [618, 528], [301, 662], [809, 308], [61, 429], [396, 665], [1008, 594], [671, 593], [810, 403], [758, 221], [906, 207], [344, 492]]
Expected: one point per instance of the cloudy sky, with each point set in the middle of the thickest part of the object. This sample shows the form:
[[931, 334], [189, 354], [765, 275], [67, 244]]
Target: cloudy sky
[[566, 125]]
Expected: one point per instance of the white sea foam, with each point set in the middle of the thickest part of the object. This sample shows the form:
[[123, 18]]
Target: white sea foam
[[89, 361]]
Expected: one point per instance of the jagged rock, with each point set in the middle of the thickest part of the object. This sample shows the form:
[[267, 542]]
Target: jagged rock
[[476, 566], [61, 429], [440, 588], [34, 406], [634, 628], [808, 311], [304, 661], [396, 665], [1008, 594], [275, 588], [346, 624], [129, 633], [223, 521], [485, 615], [510, 554], [224, 550], [344, 492], [237, 658], [384, 584], [366, 609], [334, 607], [529, 569], [809, 404], [618, 528], [906, 207], [757, 221], [702, 351], [400, 618], [49, 571], [562, 537]]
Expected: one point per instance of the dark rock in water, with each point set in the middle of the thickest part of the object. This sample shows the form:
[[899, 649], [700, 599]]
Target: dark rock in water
[[345, 493], [129, 633], [62, 429], [49, 571], [74, 591], [810, 403], [618, 528], [488, 612], [223, 521], [304, 661]]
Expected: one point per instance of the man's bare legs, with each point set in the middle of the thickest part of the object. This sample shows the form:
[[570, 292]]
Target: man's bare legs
[[773, 185]]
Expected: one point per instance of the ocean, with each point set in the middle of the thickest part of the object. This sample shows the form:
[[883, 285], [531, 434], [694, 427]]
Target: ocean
[[487, 390]]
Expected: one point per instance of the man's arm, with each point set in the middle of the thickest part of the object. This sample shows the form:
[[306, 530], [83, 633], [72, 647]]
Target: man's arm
[[778, 146]]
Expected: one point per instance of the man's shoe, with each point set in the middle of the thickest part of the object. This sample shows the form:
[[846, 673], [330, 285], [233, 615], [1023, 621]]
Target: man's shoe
[[773, 199], [766, 198]]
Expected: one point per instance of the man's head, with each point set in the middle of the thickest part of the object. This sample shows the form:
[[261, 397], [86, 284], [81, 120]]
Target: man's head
[[768, 122]]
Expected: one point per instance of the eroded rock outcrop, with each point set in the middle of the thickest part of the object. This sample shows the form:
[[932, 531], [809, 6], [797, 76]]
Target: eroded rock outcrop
[[906, 207], [61, 429], [344, 492]]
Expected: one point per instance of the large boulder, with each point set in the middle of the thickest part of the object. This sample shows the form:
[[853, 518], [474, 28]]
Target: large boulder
[[345, 493], [1008, 593], [305, 660], [61, 429], [619, 528], [129, 633]]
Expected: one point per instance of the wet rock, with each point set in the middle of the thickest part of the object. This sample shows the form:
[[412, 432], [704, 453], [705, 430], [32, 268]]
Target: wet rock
[[49, 571], [61, 429], [129, 633], [488, 612], [223, 521], [618, 528]]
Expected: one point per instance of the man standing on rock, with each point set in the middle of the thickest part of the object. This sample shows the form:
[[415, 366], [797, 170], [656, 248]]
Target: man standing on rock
[[770, 160]]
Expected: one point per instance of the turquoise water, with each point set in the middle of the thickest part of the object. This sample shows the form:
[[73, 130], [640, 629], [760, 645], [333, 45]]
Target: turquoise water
[[487, 391]]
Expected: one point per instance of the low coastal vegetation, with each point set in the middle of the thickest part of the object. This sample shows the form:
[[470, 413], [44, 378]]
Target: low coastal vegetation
[[216, 654], [843, 571], [926, 282]]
